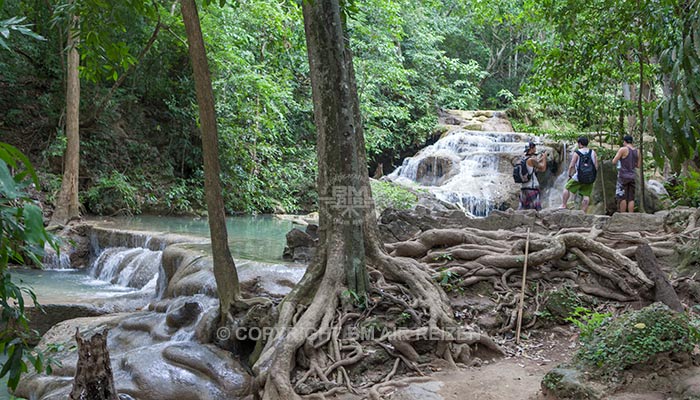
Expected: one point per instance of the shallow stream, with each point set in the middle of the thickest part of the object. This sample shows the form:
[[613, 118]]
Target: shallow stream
[[260, 239]]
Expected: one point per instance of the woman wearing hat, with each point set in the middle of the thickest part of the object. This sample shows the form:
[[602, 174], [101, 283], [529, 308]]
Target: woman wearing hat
[[530, 191]]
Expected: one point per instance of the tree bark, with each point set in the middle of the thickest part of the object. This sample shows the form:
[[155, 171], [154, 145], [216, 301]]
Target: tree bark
[[67, 202], [343, 200], [93, 373], [640, 110], [663, 291], [224, 266]]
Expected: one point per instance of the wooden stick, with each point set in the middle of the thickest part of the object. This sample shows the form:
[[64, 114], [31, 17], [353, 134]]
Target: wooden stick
[[522, 290]]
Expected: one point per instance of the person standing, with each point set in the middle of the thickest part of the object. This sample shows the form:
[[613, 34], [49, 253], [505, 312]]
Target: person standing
[[582, 173], [530, 190], [628, 157]]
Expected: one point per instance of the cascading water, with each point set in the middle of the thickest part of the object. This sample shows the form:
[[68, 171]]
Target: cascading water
[[472, 169], [552, 197], [54, 260], [133, 267]]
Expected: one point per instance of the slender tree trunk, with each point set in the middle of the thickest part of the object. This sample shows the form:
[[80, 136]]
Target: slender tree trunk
[[224, 266], [67, 201], [640, 112]]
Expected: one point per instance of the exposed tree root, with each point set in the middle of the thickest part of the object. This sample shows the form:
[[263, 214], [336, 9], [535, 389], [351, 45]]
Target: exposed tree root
[[597, 263], [323, 333], [320, 331]]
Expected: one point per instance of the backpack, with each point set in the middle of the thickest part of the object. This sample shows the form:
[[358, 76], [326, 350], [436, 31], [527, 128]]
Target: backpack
[[520, 174], [586, 169]]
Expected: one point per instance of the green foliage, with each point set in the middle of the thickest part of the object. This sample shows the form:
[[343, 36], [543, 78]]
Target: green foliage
[[449, 281], [636, 338], [677, 117], [562, 303], [390, 195], [359, 301], [583, 61], [14, 24], [685, 190], [403, 319], [263, 102], [113, 194], [587, 321], [185, 197], [22, 240], [105, 28], [443, 257], [404, 72]]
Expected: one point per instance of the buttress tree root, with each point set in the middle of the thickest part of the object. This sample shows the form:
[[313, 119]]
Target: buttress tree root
[[322, 330]]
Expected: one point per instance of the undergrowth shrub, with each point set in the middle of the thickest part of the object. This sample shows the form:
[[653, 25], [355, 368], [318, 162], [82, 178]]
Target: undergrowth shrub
[[635, 338], [390, 195]]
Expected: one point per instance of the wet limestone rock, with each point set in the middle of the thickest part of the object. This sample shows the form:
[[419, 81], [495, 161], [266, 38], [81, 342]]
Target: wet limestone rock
[[188, 269], [155, 355]]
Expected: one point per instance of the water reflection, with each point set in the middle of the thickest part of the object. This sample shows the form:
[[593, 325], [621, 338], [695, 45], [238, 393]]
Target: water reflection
[[259, 238]]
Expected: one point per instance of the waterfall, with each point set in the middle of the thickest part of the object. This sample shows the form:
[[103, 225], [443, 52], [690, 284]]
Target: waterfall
[[552, 196], [54, 260], [472, 169], [132, 267]]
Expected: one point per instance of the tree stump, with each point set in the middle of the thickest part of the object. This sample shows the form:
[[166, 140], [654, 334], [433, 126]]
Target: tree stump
[[93, 374], [663, 291]]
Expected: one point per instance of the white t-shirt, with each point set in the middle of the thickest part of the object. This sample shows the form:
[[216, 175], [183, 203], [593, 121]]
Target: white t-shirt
[[533, 183]]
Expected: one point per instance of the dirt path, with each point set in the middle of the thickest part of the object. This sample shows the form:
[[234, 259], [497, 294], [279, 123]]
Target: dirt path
[[518, 376]]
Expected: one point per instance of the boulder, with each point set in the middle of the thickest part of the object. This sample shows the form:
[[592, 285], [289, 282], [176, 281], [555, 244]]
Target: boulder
[[41, 320], [635, 222], [656, 197], [301, 245], [603, 196], [74, 248], [689, 386], [568, 383], [297, 238], [434, 170]]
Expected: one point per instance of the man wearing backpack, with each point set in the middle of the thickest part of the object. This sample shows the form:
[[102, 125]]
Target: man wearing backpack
[[582, 173], [629, 160], [530, 187]]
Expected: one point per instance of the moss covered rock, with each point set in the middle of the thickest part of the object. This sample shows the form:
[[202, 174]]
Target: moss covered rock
[[568, 383], [562, 303]]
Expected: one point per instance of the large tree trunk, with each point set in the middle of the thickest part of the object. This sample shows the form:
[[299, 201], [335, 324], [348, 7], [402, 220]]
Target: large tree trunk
[[93, 373], [348, 233], [67, 201], [224, 267], [343, 200]]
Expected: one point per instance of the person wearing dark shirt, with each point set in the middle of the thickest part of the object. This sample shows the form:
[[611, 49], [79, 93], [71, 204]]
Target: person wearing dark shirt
[[629, 160]]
